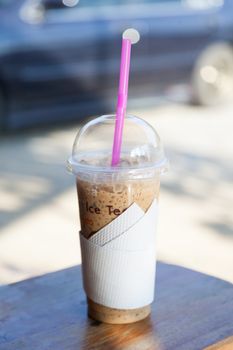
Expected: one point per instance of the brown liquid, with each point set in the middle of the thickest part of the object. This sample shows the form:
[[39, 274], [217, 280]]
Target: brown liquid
[[99, 204]]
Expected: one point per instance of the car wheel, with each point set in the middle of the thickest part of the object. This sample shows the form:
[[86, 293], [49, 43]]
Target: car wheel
[[212, 79]]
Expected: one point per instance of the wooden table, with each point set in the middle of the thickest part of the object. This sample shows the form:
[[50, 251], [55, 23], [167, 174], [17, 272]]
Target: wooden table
[[191, 312]]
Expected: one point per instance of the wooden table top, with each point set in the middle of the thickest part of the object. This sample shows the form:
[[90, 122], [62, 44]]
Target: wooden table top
[[191, 311]]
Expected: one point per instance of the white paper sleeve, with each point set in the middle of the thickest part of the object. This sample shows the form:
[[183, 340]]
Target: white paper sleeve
[[118, 262]]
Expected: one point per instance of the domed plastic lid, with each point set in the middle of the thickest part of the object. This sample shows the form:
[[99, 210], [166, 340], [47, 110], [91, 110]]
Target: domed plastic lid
[[141, 147]]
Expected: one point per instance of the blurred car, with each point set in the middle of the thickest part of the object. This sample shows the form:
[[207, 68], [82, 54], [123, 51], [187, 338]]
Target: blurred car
[[59, 60]]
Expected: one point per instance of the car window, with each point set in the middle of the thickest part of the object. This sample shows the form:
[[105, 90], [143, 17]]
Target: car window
[[62, 4], [53, 4], [58, 4], [82, 10]]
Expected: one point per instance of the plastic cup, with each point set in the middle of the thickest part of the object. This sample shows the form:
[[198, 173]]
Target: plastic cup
[[106, 192]]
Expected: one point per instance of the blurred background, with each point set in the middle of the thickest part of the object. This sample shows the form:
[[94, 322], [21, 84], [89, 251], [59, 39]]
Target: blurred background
[[59, 64]]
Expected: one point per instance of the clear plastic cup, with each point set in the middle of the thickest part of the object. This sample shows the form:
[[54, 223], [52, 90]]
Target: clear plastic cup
[[105, 192]]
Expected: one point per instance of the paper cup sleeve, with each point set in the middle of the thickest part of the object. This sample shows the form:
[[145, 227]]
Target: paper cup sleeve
[[118, 266]]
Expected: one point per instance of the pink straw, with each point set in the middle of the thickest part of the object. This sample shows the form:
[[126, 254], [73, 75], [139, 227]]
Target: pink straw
[[122, 100]]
